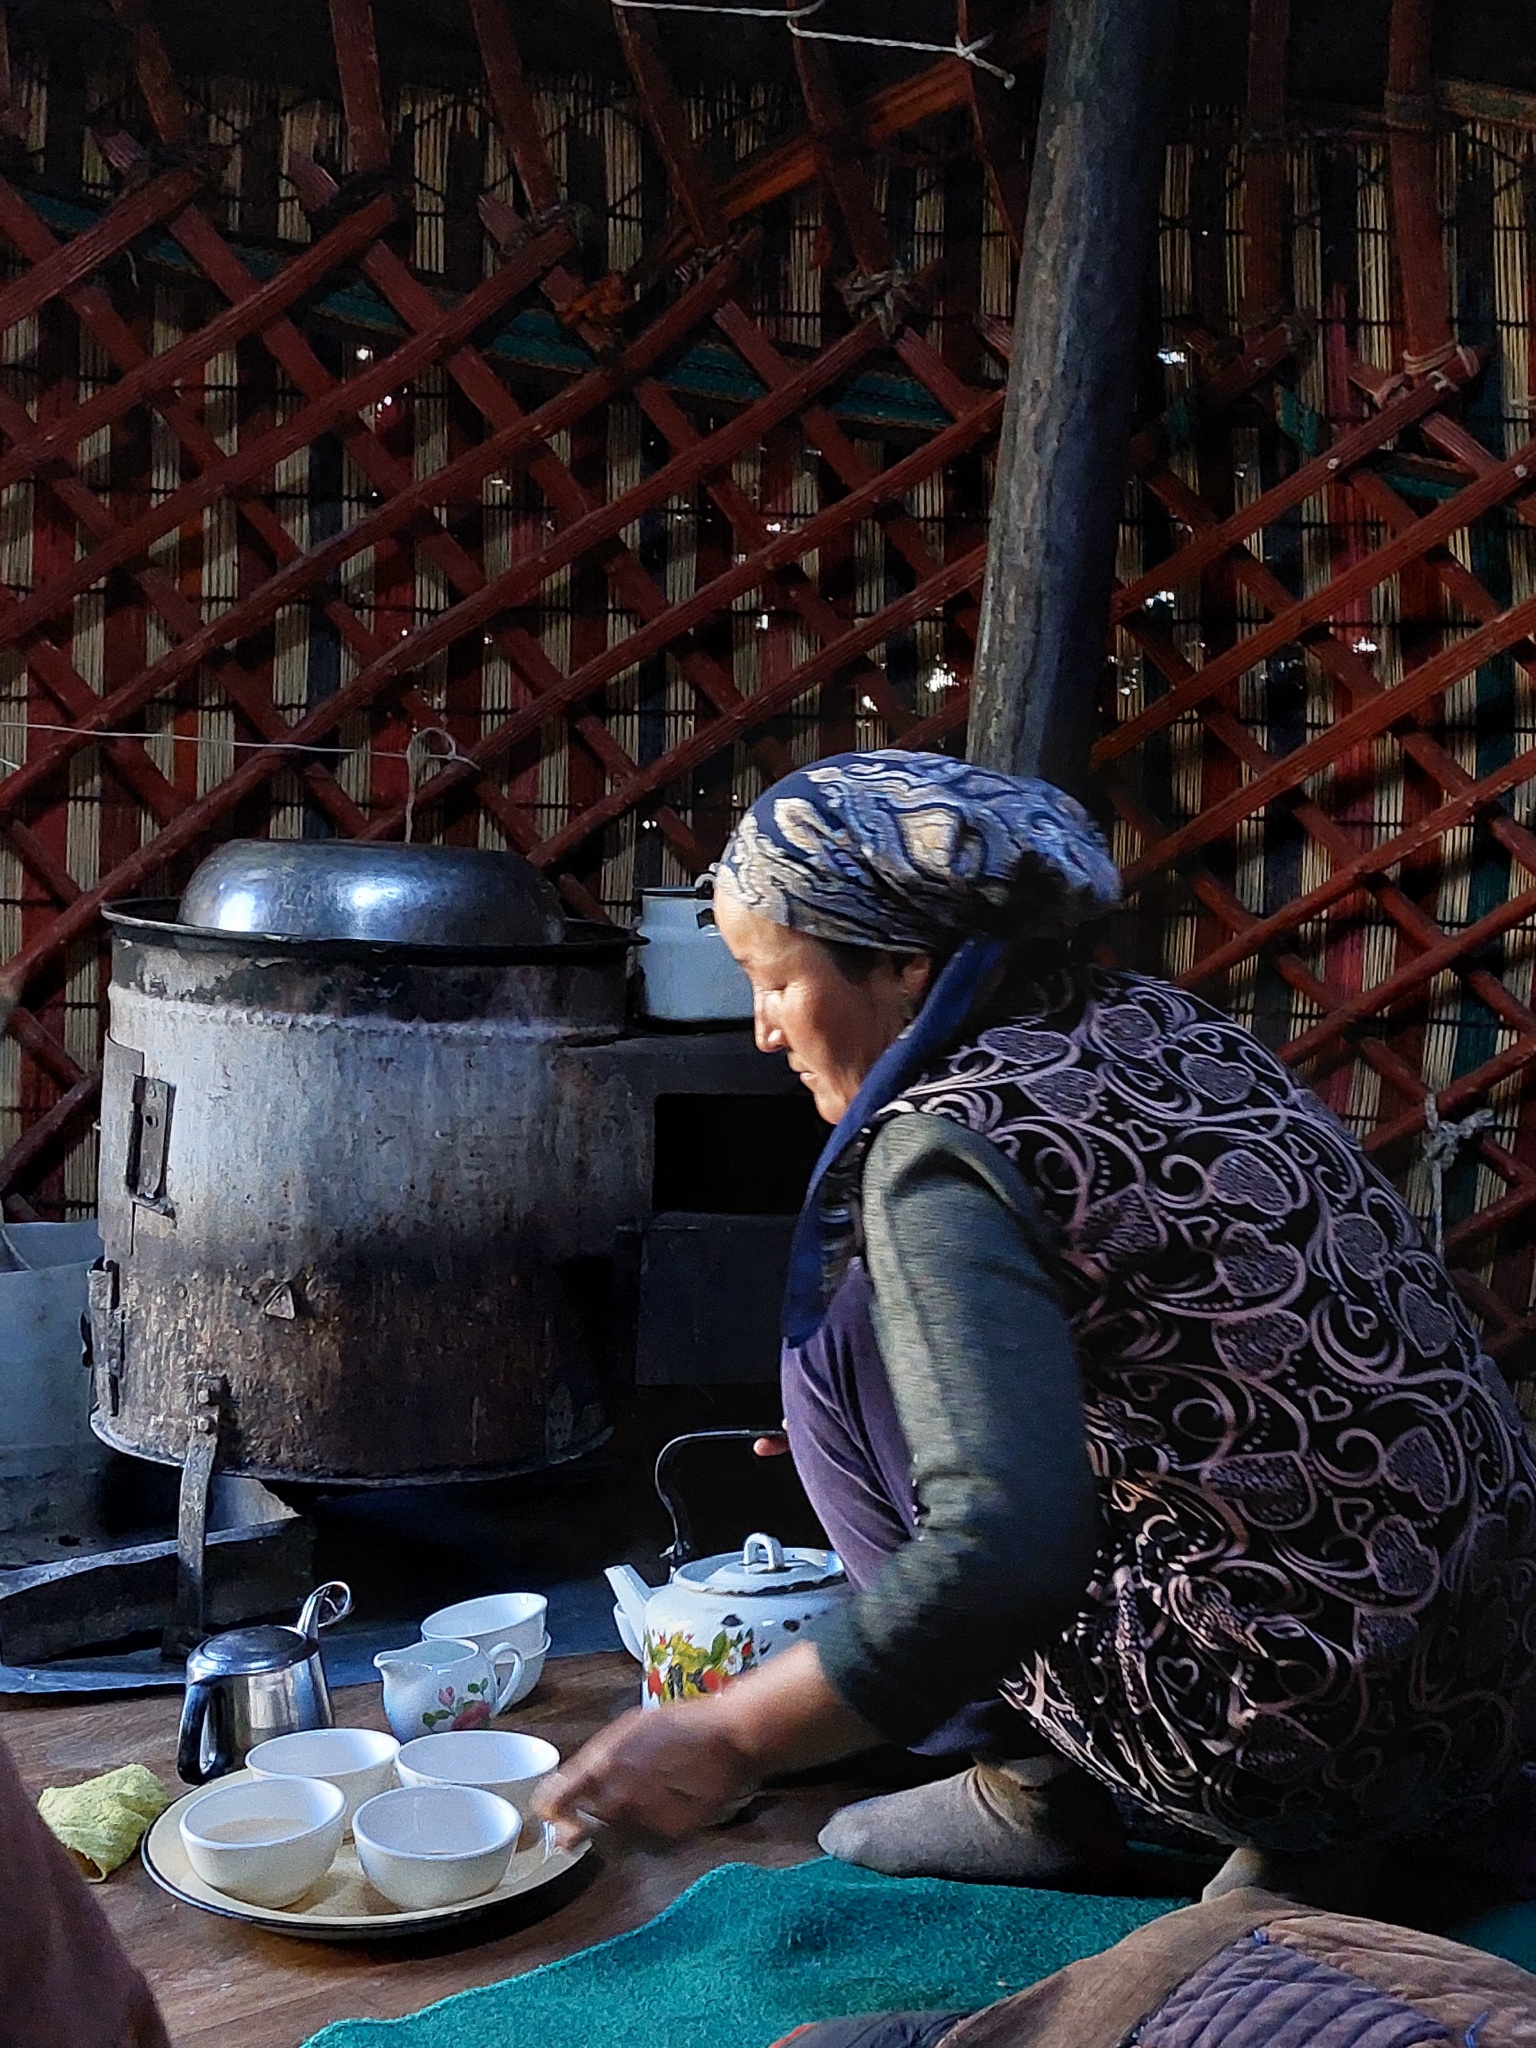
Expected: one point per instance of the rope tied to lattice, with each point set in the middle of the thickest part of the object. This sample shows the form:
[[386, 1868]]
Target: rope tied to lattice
[[509, 229], [420, 756], [891, 295], [1440, 1149], [1466, 360]]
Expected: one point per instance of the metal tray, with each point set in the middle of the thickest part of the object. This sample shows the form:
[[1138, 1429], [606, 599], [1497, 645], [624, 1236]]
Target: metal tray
[[343, 1906]]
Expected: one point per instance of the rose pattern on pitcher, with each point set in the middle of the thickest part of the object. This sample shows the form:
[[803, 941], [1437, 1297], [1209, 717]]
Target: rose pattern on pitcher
[[473, 1711], [678, 1668]]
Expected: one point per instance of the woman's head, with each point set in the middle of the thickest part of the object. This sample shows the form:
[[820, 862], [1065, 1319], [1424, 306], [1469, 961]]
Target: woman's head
[[849, 883], [830, 1008]]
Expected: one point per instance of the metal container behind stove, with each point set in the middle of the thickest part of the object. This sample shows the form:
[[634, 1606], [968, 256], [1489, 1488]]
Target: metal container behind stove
[[354, 1204]]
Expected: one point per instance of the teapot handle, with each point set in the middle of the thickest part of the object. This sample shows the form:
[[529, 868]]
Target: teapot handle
[[206, 1705], [683, 1548]]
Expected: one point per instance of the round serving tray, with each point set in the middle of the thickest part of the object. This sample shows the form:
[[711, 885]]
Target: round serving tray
[[343, 1906]]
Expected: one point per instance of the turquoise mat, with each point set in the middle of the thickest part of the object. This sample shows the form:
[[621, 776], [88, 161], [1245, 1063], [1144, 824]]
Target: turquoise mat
[[746, 1954]]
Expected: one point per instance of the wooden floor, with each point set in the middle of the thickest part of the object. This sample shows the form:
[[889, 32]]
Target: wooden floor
[[220, 1983]]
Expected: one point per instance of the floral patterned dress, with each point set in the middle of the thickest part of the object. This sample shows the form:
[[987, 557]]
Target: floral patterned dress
[[1314, 1615]]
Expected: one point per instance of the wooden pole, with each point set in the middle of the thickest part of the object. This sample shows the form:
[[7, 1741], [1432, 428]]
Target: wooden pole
[[1050, 559], [1412, 156], [1264, 168]]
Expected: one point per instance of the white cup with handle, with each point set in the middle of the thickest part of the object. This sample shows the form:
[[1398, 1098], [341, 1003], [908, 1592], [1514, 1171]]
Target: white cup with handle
[[446, 1684], [498, 1618]]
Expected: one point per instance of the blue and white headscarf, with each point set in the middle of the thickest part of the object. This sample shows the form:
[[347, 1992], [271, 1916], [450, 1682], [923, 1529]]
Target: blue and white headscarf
[[912, 852], [909, 853]]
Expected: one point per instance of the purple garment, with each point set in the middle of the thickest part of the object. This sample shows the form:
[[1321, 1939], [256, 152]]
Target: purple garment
[[1312, 1617], [853, 1460], [846, 1437]]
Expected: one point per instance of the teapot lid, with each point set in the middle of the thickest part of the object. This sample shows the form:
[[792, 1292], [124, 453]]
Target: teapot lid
[[239, 1652], [763, 1565]]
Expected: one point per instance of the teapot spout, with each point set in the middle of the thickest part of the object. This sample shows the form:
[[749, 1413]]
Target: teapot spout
[[327, 1605], [632, 1593]]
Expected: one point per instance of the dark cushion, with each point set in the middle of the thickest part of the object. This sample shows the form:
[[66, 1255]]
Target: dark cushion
[[875, 2030]]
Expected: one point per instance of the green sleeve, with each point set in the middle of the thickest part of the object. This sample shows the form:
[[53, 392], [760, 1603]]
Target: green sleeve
[[982, 1368]]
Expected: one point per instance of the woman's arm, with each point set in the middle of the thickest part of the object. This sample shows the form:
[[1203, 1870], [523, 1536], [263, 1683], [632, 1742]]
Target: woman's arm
[[984, 1376], [679, 1767], [985, 1380]]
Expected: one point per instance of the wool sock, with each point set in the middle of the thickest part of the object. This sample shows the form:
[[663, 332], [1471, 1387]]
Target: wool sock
[[1037, 1821]]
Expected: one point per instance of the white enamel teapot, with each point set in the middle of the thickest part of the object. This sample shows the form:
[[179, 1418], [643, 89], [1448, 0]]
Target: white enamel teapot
[[719, 1616]]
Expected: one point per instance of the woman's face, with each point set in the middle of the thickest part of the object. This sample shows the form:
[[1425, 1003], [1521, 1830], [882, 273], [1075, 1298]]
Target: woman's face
[[831, 1027]]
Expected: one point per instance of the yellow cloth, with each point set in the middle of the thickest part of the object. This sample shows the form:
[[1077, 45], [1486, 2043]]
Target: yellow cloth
[[102, 1822]]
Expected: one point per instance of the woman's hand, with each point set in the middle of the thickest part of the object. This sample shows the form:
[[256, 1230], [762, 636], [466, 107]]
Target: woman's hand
[[655, 1776], [677, 1768]]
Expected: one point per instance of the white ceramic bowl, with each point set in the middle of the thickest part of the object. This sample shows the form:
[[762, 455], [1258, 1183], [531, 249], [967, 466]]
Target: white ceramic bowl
[[265, 1840], [433, 1845], [361, 1761], [521, 1619], [495, 1760]]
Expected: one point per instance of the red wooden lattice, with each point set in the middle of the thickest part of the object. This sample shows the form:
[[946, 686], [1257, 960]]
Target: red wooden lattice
[[1294, 798], [706, 257]]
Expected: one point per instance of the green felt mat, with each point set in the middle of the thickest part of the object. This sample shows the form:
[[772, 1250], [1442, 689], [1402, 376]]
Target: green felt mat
[[747, 1954]]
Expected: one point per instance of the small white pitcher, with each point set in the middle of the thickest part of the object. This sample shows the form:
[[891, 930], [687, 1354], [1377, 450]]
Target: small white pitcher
[[433, 1687]]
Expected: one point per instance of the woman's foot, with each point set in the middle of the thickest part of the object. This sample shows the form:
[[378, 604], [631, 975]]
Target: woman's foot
[[1040, 1821], [1347, 1880]]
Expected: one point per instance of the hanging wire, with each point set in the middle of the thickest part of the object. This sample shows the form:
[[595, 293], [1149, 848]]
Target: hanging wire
[[194, 739], [420, 755], [968, 53]]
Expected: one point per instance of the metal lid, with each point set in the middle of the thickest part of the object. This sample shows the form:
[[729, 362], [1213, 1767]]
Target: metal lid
[[154, 920], [763, 1566], [239, 1652], [373, 890]]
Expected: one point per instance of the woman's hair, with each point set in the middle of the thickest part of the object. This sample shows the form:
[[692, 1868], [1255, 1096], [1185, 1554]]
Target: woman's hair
[[857, 963], [1021, 969]]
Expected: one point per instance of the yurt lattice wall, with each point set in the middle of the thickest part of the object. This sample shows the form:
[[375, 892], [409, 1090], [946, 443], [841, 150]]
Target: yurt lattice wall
[[631, 445]]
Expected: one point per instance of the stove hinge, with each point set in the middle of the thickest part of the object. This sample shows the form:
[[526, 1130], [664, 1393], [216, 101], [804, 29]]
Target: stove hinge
[[101, 1333], [149, 1142]]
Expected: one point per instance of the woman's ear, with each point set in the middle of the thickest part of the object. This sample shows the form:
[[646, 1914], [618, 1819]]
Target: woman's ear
[[916, 976]]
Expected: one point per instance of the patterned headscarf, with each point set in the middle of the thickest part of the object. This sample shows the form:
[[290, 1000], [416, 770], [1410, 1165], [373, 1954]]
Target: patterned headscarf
[[903, 851], [917, 851]]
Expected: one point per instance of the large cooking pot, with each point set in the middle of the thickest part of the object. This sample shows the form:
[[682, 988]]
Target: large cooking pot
[[374, 891]]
